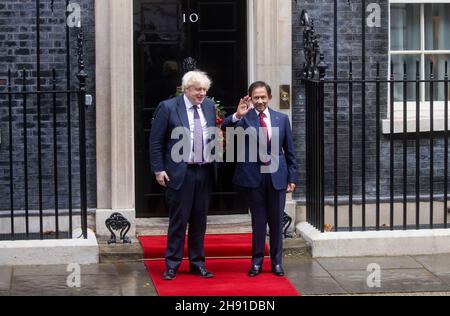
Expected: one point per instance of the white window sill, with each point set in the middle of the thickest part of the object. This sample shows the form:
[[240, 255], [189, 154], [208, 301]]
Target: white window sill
[[438, 125], [425, 122]]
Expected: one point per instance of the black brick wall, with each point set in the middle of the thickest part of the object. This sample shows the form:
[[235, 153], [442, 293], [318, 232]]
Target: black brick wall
[[18, 53], [349, 49]]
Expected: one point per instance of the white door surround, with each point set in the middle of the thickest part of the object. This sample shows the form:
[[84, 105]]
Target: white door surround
[[270, 59]]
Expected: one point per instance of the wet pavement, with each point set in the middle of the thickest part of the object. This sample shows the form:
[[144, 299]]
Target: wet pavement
[[337, 276], [120, 279], [406, 275]]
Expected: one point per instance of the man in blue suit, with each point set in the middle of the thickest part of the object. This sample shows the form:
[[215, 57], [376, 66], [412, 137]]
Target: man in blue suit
[[185, 172], [265, 187]]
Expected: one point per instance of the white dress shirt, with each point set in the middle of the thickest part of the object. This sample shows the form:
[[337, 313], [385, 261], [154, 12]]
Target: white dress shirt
[[190, 112], [266, 119]]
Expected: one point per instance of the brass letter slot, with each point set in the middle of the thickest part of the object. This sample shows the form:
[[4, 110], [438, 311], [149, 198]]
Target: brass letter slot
[[285, 97]]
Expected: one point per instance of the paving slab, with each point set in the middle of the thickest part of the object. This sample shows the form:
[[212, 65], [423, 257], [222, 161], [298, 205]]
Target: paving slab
[[135, 280], [435, 263], [295, 247], [91, 269], [361, 263], [439, 265], [309, 278], [5, 278], [120, 252], [56, 285], [445, 277], [304, 267], [317, 286], [392, 280]]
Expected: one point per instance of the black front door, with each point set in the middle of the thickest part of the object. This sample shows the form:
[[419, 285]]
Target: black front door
[[166, 34]]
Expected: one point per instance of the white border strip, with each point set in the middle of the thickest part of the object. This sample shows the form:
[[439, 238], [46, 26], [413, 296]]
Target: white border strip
[[375, 243], [50, 252], [419, 1]]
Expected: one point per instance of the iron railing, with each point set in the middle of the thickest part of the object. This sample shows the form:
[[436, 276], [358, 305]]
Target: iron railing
[[30, 212], [363, 175], [390, 168]]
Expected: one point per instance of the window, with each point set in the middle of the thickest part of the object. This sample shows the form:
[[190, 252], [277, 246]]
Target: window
[[419, 31]]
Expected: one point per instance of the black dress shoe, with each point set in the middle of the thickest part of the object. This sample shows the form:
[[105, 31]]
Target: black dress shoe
[[170, 274], [278, 270], [254, 270], [201, 271]]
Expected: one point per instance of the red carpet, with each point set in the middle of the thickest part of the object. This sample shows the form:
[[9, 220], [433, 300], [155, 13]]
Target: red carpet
[[230, 274], [230, 279]]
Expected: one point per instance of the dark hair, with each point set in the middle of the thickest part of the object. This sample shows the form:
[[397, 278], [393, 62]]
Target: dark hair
[[259, 84]]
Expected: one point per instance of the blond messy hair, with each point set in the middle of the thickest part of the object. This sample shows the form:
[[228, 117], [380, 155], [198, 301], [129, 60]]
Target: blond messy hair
[[196, 78]]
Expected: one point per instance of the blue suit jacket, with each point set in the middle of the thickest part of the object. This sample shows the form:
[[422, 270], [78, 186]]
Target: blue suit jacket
[[169, 115], [248, 174]]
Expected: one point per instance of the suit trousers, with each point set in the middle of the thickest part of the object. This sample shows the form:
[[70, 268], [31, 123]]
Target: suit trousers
[[267, 207], [188, 205]]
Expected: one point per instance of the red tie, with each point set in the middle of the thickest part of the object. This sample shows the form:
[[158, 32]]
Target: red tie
[[264, 126]]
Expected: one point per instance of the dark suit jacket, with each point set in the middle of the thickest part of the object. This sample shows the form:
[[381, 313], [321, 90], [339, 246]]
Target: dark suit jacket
[[169, 115], [248, 174]]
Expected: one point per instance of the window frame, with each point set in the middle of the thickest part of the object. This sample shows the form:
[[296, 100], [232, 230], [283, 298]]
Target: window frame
[[438, 106]]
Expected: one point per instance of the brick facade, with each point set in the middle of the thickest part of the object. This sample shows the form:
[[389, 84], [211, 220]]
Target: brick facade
[[349, 49], [18, 53]]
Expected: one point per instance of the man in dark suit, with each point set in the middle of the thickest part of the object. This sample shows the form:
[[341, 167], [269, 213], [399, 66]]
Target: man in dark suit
[[265, 182], [184, 171]]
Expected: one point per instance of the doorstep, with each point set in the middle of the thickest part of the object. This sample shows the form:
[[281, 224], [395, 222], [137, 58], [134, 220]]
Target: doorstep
[[119, 252], [216, 224], [223, 224]]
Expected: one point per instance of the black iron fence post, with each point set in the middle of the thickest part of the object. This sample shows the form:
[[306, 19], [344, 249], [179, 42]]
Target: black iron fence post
[[417, 144], [55, 154], [322, 66], [82, 76], [446, 145], [350, 146], [431, 144], [69, 122], [314, 80], [11, 176]]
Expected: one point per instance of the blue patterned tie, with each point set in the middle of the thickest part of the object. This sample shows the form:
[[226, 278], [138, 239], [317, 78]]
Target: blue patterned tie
[[198, 136]]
